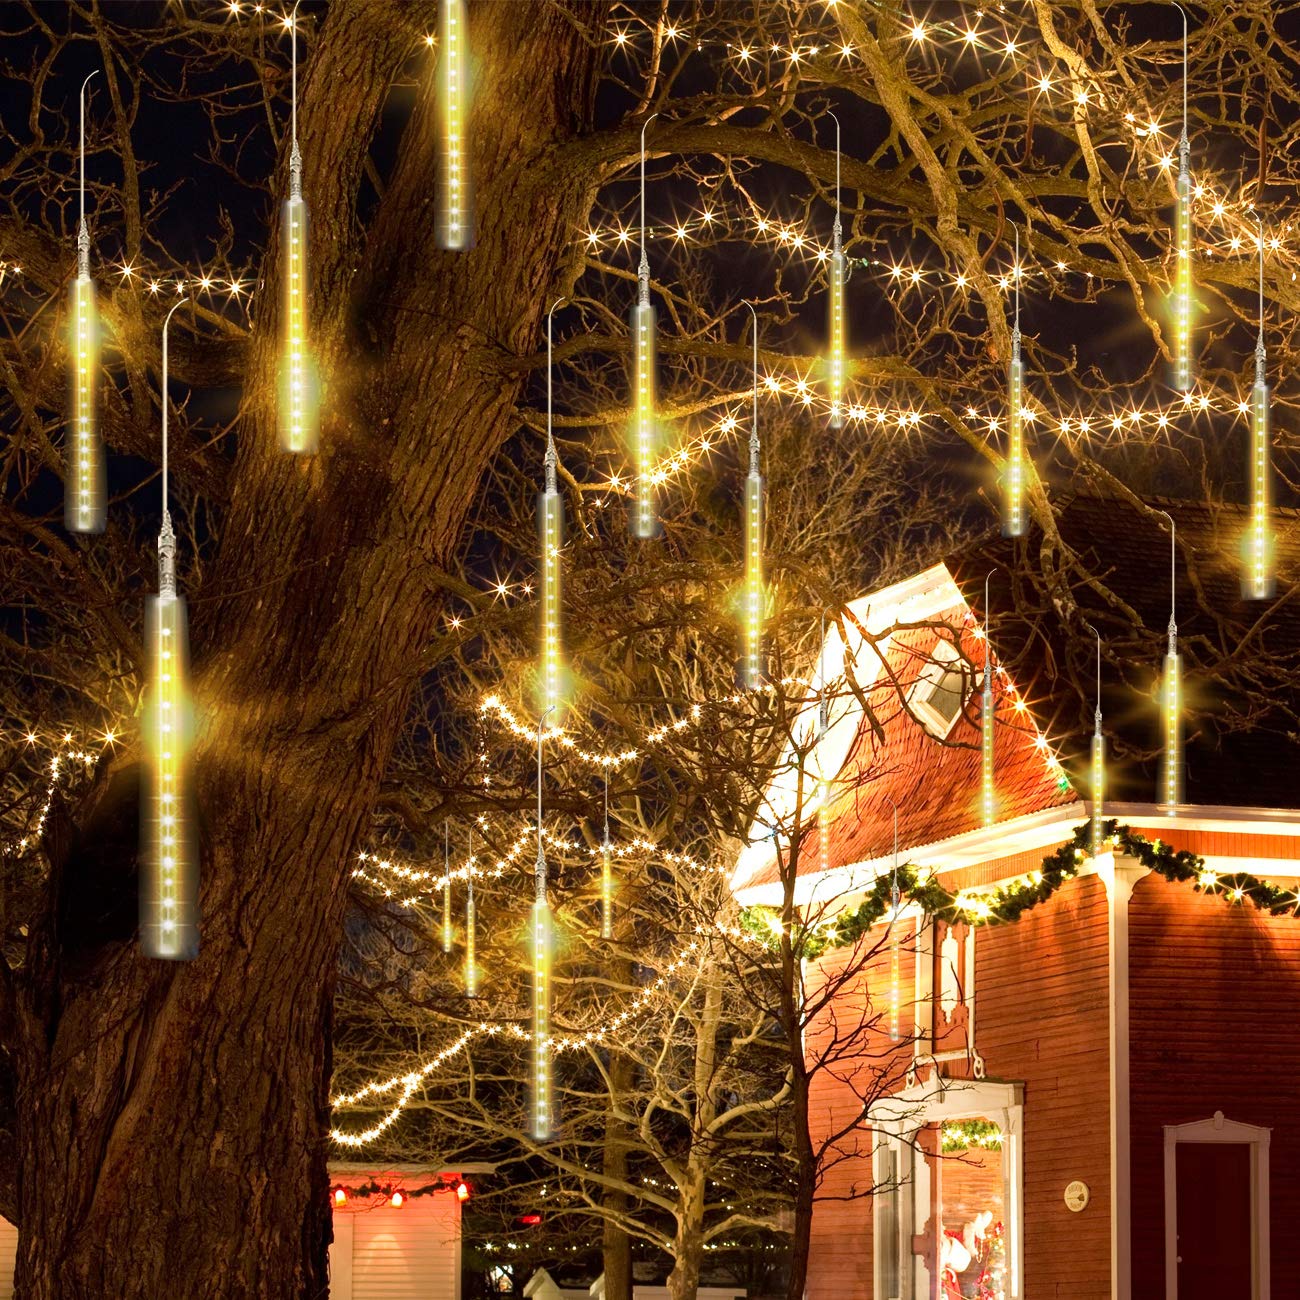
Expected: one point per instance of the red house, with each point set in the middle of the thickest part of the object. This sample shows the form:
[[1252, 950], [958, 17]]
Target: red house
[[1100, 1098]]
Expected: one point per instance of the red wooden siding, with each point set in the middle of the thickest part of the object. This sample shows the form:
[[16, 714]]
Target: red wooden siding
[[1213, 992], [1042, 1017]]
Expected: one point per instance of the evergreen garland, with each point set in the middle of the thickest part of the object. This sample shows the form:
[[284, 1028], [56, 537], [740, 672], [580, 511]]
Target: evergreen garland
[[1011, 901]]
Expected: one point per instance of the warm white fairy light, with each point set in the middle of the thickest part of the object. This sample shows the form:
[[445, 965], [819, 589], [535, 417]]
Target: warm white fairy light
[[85, 489], [835, 385], [169, 888], [446, 890], [1257, 579], [1098, 790], [988, 789], [752, 597], [606, 875], [455, 227], [540, 1107], [1171, 690], [1183, 246], [1013, 512], [298, 397], [644, 439], [471, 929], [550, 513]]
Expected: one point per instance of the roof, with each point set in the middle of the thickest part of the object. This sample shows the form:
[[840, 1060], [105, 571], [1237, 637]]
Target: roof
[[1241, 744]]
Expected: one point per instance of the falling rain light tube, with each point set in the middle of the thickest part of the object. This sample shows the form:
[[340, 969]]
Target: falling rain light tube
[[169, 886], [837, 325], [446, 889], [644, 439], [1183, 246], [1257, 579], [550, 515], [895, 944], [471, 936], [1171, 691], [988, 791], [540, 1110], [1098, 790], [85, 488], [823, 777], [752, 598], [455, 225], [298, 397], [606, 875], [1013, 513]]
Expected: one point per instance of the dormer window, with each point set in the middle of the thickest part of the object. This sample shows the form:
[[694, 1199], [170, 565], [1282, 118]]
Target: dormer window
[[941, 690]]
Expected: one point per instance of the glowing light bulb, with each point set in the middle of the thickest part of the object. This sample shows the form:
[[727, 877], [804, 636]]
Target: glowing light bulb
[[835, 383], [540, 1101], [606, 891], [1098, 788], [1171, 779], [1013, 510], [340, 1196], [299, 431], [1257, 578], [644, 436], [550, 513], [895, 984], [988, 795], [751, 670], [471, 944], [169, 889], [1183, 279], [85, 490], [447, 934], [455, 225]]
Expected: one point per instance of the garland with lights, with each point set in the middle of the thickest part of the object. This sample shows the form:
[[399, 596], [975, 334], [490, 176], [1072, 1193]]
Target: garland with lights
[[395, 1194], [1010, 902], [962, 1134]]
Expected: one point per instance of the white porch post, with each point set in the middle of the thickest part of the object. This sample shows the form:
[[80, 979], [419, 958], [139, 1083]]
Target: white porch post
[[1120, 874]]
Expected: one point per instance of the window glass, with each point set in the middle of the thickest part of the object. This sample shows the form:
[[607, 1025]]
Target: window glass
[[947, 694], [972, 1247]]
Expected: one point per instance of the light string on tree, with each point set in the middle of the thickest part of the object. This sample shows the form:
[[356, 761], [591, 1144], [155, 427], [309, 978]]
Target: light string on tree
[[1013, 510], [169, 884], [471, 924], [550, 515], [606, 875], [835, 385], [988, 787], [1171, 690], [299, 432], [644, 438], [1258, 580], [85, 488], [753, 600], [1098, 790], [446, 889], [540, 1110], [455, 226], [1183, 245]]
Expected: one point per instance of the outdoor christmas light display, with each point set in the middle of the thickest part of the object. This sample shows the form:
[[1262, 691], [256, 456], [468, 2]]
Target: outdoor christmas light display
[[550, 515], [471, 937], [1013, 511], [823, 776], [752, 598], [644, 438], [988, 793], [455, 225], [1183, 246], [85, 488], [298, 397], [1098, 790], [540, 1104], [169, 882], [1171, 690], [895, 955], [837, 326], [446, 889], [1257, 581], [606, 875]]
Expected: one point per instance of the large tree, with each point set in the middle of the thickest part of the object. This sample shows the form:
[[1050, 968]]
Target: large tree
[[169, 1120]]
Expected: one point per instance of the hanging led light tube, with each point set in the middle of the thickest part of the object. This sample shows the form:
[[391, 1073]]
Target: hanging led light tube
[[85, 489], [1258, 579], [1183, 246], [550, 514], [1013, 515], [837, 324], [895, 943], [169, 887], [1171, 693], [540, 1106], [823, 776], [988, 788], [1098, 790], [606, 875], [299, 432], [471, 936], [447, 935], [645, 523], [752, 597], [455, 227]]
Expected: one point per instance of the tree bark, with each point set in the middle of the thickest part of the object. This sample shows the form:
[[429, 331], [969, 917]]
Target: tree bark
[[616, 1245], [688, 1241], [173, 1118]]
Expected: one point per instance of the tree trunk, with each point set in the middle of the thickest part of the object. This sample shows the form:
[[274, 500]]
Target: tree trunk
[[688, 1242], [806, 1175], [616, 1245], [173, 1117]]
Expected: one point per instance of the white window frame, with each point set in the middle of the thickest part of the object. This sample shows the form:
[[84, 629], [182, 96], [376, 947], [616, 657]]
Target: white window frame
[[1218, 1129], [905, 1174], [899, 1117], [942, 657]]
